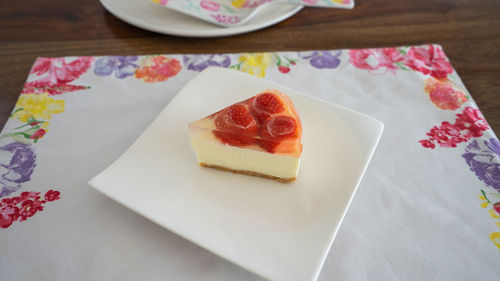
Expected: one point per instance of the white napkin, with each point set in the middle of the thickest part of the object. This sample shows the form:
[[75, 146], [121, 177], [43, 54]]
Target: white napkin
[[229, 13]]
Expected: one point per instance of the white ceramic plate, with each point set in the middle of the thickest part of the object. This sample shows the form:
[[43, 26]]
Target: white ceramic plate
[[278, 231], [150, 16]]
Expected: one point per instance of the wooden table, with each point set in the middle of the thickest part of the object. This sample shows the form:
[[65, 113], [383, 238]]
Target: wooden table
[[468, 30]]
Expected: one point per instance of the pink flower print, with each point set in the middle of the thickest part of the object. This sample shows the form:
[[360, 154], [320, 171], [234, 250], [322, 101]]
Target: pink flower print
[[429, 60], [248, 3], [209, 5], [8, 214], [310, 2], [359, 58], [386, 59], [468, 124], [444, 94], [60, 70], [225, 19]]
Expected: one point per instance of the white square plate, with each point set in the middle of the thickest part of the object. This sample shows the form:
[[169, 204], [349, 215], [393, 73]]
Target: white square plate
[[278, 231]]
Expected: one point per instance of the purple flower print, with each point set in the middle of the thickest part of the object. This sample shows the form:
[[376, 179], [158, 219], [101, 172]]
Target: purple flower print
[[121, 66], [494, 146], [200, 62], [322, 59], [17, 162], [484, 160]]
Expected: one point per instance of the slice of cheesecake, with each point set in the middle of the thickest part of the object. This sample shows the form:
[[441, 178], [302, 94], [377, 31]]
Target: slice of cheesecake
[[260, 136]]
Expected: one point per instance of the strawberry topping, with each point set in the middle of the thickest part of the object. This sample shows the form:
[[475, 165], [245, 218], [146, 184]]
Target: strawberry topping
[[268, 145], [234, 139], [278, 127], [268, 103], [267, 120], [238, 115], [236, 119]]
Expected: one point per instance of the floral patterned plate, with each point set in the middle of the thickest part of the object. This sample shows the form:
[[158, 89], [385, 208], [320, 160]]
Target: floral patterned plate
[[147, 15], [278, 231]]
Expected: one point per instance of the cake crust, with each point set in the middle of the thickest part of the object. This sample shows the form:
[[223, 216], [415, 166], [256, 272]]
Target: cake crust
[[249, 173]]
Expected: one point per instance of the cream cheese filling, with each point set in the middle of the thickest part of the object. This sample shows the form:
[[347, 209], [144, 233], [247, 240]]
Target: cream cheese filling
[[210, 151]]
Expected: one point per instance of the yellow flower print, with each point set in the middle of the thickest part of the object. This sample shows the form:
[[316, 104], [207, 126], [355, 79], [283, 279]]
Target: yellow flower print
[[162, 2], [493, 214], [33, 110], [255, 64], [239, 3], [341, 1], [498, 223], [482, 197], [485, 204], [38, 106], [495, 237]]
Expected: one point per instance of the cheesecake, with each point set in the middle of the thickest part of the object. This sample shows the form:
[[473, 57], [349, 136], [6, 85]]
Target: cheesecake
[[260, 136]]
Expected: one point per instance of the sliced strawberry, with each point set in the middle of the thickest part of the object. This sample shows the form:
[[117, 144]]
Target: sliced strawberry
[[238, 115], [269, 103], [278, 127], [236, 119], [266, 104], [233, 139]]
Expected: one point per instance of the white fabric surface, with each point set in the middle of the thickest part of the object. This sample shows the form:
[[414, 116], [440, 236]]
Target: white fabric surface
[[416, 214]]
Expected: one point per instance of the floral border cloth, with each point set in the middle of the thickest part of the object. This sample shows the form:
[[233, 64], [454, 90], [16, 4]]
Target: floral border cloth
[[418, 202]]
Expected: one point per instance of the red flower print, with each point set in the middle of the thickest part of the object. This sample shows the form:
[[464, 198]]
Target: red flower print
[[496, 206], [24, 206], [157, 69], [429, 60], [52, 195], [60, 70], [471, 121], [444, 94], [39, 87], [283, 69], [38, 134], [26, 195], [29, 208], [467, 125]]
